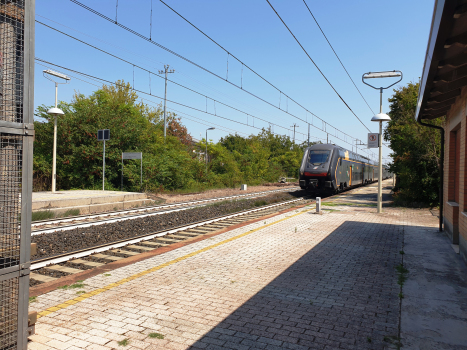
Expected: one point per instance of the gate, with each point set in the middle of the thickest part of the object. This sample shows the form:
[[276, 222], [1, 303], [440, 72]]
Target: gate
[[16, 140]]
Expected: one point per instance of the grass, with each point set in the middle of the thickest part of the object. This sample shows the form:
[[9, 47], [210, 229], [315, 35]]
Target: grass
[[42, 215], [260, 203], [47, 214], [78, 284], [393, 340], [368, 339], [123, 342], [107, 274], [32, 299], [80, 292], [70, 212], [156, 335]]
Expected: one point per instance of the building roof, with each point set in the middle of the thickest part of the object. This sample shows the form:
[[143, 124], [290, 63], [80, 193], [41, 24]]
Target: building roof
[[445, 68]]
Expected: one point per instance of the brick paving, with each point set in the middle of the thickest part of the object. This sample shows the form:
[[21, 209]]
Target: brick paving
[[307, 281]]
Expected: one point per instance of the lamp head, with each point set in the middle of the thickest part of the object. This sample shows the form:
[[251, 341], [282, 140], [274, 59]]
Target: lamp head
[[56, 74], [381, 117], [211, 129], [55, 111]]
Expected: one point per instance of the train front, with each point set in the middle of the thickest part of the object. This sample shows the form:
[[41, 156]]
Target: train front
[[315, 171]]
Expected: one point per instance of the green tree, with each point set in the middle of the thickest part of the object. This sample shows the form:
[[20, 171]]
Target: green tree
[[416, 150]]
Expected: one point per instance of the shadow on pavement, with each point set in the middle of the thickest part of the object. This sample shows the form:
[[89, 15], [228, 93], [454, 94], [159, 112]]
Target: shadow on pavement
[[342, 294]]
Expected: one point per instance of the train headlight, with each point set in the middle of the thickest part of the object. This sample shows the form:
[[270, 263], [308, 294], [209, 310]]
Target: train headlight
[[301, 172]]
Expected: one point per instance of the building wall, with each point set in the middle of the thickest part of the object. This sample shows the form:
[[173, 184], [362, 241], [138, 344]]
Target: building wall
[[455, 178]]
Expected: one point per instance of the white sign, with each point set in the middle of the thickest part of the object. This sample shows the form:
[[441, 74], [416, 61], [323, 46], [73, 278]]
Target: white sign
[[373, 140], [132, 155]]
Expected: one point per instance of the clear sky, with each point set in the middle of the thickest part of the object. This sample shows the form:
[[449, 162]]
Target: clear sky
[[367, 35]]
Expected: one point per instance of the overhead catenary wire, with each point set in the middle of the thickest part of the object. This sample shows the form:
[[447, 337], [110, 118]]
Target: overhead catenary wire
[[182, 114], [150, 59], [143, 92], [319, 70], [335, 53], [194, 91], [207, 70]]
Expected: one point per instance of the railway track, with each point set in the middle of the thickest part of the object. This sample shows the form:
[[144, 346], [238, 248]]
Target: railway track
[[51, 268], [46, 226]]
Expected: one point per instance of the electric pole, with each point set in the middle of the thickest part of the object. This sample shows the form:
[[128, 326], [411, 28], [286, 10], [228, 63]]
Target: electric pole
[[166, 70], [308, 134], [294, 126]]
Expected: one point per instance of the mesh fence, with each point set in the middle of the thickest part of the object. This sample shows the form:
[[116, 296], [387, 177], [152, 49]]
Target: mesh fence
[[9, 313], [11, 154], [11, 60]]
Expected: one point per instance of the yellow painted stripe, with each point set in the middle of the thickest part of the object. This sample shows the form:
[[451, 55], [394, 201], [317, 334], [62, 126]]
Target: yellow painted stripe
[[153, 269]]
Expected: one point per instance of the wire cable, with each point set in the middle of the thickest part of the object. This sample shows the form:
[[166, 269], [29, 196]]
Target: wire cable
[[142, 68], [335, 53], [319, 70], [143, 92], [212, 73]]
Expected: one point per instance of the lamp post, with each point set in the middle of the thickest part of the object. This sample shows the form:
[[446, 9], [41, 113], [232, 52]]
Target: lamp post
[[207, 148], [381, 117], [55, 112]]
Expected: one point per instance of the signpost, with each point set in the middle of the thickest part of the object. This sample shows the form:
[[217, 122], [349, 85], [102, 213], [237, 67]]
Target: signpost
[[103, 135], [373, 139], [133, 155]]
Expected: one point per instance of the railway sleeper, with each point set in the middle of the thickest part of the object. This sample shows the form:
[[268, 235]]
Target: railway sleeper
[[106, 257], [65, 269], [187, 234], [166, 240], [41, 278], [123, 252], [85, 263], [153, 244], [139, 247], [177, 236]]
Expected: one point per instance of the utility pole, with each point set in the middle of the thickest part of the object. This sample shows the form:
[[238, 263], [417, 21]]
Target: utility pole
[[308, 134], [165, 71], [294, 126]]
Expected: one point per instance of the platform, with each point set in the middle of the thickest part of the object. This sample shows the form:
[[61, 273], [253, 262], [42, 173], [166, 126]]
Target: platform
[[298, 280], [87, 201]]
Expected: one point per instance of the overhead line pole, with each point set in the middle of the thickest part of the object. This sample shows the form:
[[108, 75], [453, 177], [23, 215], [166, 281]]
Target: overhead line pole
[[165, 71]]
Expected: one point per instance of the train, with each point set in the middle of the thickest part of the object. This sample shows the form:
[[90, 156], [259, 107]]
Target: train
[[330, 169]]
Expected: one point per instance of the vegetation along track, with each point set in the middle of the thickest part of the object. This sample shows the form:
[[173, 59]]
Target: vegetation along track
[[61, 253]]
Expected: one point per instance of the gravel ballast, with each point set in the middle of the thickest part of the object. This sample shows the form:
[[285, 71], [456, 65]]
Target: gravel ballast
[[60, 242]]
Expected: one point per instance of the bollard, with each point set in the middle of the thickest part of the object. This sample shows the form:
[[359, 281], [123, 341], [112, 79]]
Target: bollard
[[318, 205], [243, 188]]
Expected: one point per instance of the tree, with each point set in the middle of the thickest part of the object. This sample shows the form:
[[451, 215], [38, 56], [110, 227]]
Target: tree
[[416, 150]]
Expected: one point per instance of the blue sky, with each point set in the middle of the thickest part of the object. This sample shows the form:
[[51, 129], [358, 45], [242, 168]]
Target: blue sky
[[367, 35]]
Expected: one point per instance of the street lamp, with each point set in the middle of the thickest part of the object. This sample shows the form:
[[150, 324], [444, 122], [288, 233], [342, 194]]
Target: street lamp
[[55, 112], [381, 117], [207, 148]]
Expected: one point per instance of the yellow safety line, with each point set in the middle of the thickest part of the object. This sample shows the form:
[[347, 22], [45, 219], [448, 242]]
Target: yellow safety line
[[143, 273]]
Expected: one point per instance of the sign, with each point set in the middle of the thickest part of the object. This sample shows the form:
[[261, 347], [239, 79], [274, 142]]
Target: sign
[[132, 155], [373, 139], [103, 135]]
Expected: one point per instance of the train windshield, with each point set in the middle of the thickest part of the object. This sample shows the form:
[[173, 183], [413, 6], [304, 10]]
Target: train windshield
[[318, 157]]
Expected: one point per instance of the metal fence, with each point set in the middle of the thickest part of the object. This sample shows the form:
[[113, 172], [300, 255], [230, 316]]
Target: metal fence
[[16, 137]]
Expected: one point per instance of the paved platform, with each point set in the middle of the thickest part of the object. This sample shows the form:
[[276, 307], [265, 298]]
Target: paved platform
[[299, 280], [87, 201]]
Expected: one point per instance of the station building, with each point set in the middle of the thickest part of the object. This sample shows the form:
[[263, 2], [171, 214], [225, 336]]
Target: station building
[[443, 94]]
